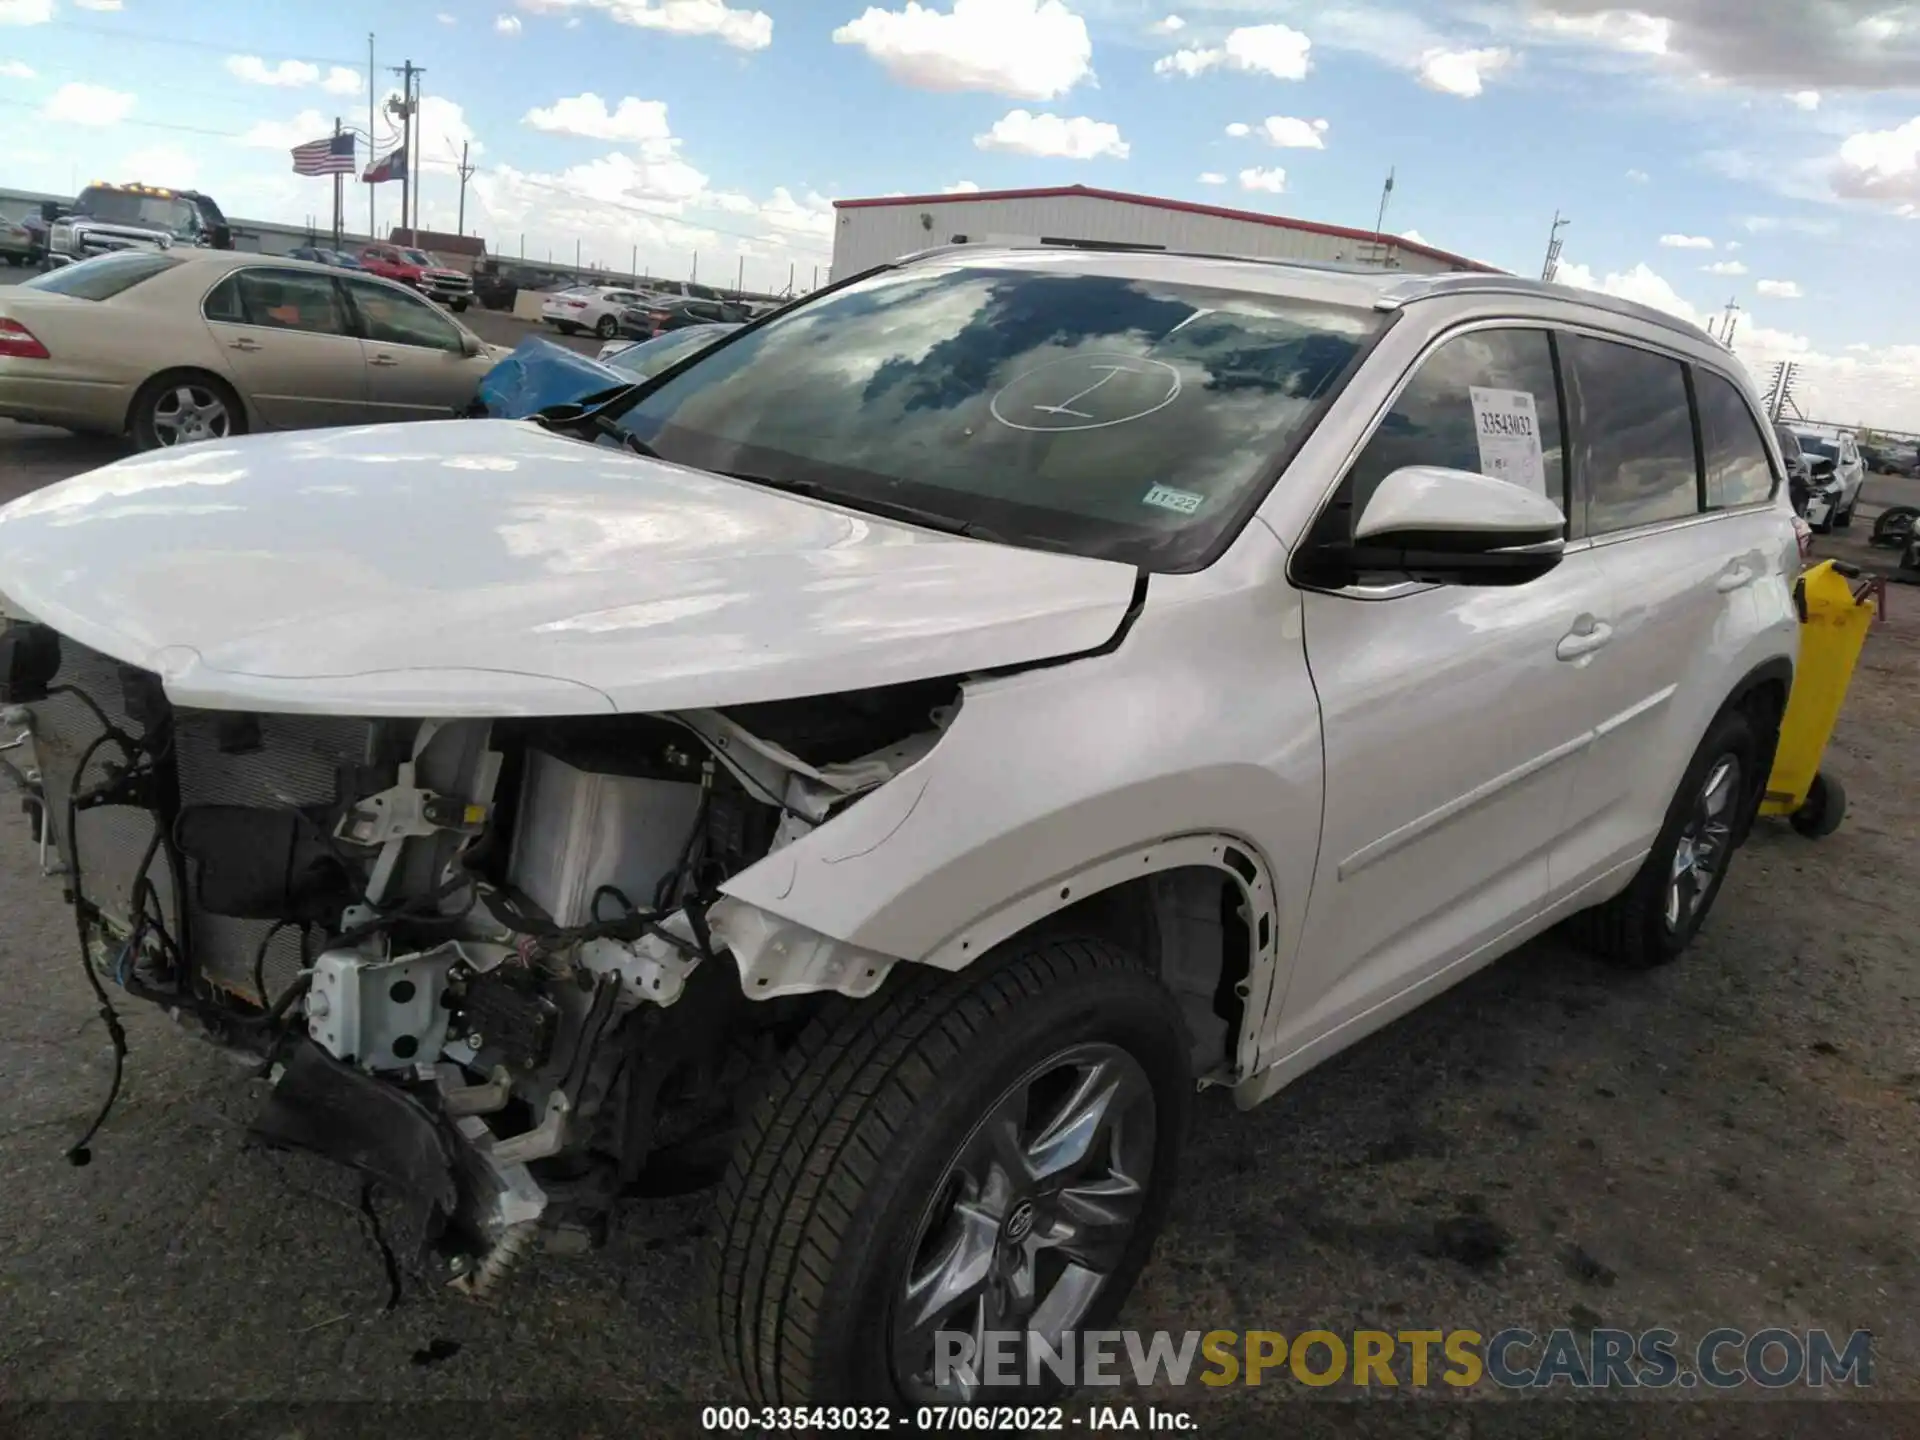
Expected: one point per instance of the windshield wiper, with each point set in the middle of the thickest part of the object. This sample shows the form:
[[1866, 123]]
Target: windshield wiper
[[889, 509]]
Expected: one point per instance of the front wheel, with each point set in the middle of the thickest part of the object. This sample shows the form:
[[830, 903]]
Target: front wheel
[[1655, 918], [992, 1151]]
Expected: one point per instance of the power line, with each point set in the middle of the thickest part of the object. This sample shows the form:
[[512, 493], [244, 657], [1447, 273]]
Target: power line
[[114, 32]]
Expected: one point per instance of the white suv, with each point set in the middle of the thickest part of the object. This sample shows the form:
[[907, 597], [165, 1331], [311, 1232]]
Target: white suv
[[889, 761]]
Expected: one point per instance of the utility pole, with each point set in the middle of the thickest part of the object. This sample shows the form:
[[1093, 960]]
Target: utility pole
[[633, 265], [466, 174], [373, 234], [1726, 329], [740, 277], [790, 278], [1380, 220], [696, 267], [409, 103], [1552, 267], [1780, 398], [576, 254]]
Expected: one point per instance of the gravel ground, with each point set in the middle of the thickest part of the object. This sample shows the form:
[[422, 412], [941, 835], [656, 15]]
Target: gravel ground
[[1729, 1142]]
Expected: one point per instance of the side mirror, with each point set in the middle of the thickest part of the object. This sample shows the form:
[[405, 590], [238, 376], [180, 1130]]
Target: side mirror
[[1457, 527], [470, 345], [223, 237]]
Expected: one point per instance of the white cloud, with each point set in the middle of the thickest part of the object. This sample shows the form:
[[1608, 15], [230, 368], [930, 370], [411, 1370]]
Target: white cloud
[[98, 4], [1171, 25], [1288, 133], [1058, 138], [445, 19], [1026, 49], [1638, 177], [1273, 181], [172, 165], [1239, 129], [1725, 267], [634, 122], [1212, 177], [25, 12], [1805, 99], [1780, 289], [1462, 72], [1879, 164], [1686, 242], [82, 104], [341, 81], [1276, 50], [506, 24], [742, 29], [1731, 245], [285, 134], [1415, 236], [811, 216], [1631, 30], [960, 187], [290, 74], [15, 70]]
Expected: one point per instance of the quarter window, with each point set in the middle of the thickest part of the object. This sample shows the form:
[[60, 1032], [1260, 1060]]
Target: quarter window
[[1634, 452], [394, 317], [1738, 471], [1486, 402], [278, 300]]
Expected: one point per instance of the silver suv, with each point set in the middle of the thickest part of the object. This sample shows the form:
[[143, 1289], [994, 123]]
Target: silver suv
[[887, 761]]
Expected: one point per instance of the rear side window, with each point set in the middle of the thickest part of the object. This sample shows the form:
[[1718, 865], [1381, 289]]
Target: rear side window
[[102, 277], [1486, 402], [1738, 470], [1634, 452], [278, 300]]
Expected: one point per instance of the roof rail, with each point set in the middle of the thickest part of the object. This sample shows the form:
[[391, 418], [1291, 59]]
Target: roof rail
[[1098, 247], [1428, 287]]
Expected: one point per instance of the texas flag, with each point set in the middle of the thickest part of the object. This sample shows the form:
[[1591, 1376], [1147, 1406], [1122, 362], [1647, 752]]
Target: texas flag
[[390, 167]]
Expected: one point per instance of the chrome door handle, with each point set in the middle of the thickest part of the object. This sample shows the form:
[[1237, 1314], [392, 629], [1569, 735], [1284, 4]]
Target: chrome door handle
[[243, 344], [383, 360], [1734, 579], [1578, 643]]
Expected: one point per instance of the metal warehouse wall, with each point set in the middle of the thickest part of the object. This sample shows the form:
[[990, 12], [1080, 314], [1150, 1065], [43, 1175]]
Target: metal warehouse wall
[[872, 234]]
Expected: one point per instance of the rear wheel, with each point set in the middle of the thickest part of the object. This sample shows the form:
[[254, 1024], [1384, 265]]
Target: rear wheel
[[182, 407], [1655, 918], [988, 1151], [607, 327]]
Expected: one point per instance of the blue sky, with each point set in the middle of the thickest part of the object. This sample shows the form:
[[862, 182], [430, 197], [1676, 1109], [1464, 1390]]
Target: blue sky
[[1776, 140]]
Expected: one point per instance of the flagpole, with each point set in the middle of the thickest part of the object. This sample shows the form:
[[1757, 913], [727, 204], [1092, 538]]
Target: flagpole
[[337, 196], [373, 144]]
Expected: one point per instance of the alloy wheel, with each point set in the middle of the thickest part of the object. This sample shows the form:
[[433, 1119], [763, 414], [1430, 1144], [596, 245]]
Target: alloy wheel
[[1034, 1214], [188, 413], [1700, 854]]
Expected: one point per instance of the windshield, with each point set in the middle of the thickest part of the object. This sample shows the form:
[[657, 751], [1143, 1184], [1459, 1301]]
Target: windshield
[[1118, 417], [415, 257], [650, 357], [150, 212], [1812, 445]]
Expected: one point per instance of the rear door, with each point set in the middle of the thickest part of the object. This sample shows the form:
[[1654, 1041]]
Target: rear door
[[1681, 567], [1452, 718], [416, 364], [289, 344]]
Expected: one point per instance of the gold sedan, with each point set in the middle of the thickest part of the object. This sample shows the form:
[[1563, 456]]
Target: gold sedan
[[172, 346]]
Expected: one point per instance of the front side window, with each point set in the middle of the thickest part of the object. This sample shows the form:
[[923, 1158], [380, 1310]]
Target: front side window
[[278, 300], [102, 277], [1738, 470], [1634, 452], [1098, 413], [1487, 402], [394, 317]]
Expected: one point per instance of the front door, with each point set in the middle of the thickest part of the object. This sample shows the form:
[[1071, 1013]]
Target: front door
[[289, 346], [417, 366], [1454, 716]]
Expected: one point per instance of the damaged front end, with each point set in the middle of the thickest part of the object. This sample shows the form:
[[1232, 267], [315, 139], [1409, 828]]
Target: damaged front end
[[475, 957]]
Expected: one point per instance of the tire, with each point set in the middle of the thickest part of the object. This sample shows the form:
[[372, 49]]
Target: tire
[[565, 329], [848, 1168], [1844, 519], [166, 394], [459, 307], [1893, 527], [1824, 808], [606, 327], [1634, 930]]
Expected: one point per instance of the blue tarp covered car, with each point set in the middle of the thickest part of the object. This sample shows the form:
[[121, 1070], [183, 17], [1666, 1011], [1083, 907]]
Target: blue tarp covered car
[[539, 373]]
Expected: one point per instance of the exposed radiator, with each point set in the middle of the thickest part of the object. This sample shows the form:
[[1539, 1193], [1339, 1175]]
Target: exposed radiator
[[296, 765]]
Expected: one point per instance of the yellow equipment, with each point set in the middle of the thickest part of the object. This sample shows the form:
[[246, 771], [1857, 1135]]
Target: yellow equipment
[[1835, 612]]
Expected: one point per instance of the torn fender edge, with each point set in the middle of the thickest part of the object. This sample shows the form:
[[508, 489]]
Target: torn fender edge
[[778, 957]]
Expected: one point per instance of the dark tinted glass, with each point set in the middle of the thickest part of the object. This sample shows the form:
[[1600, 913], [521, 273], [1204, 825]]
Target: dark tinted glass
[[102, 277], [1468, 407], [1084, 411], [1634, 428], [1738, 471], [394, 317], [278, 300]]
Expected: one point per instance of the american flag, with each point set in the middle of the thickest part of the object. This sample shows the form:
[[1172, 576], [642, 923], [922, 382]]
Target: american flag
[[331, 156]]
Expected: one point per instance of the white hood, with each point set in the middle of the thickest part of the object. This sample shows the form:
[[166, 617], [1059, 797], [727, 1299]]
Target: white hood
[[488, 567]]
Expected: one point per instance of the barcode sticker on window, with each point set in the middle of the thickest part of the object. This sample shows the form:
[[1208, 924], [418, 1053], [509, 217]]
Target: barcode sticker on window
[[1507, 425]]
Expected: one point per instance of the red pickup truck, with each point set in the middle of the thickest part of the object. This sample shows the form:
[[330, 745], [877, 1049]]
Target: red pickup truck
[[416, 268]]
